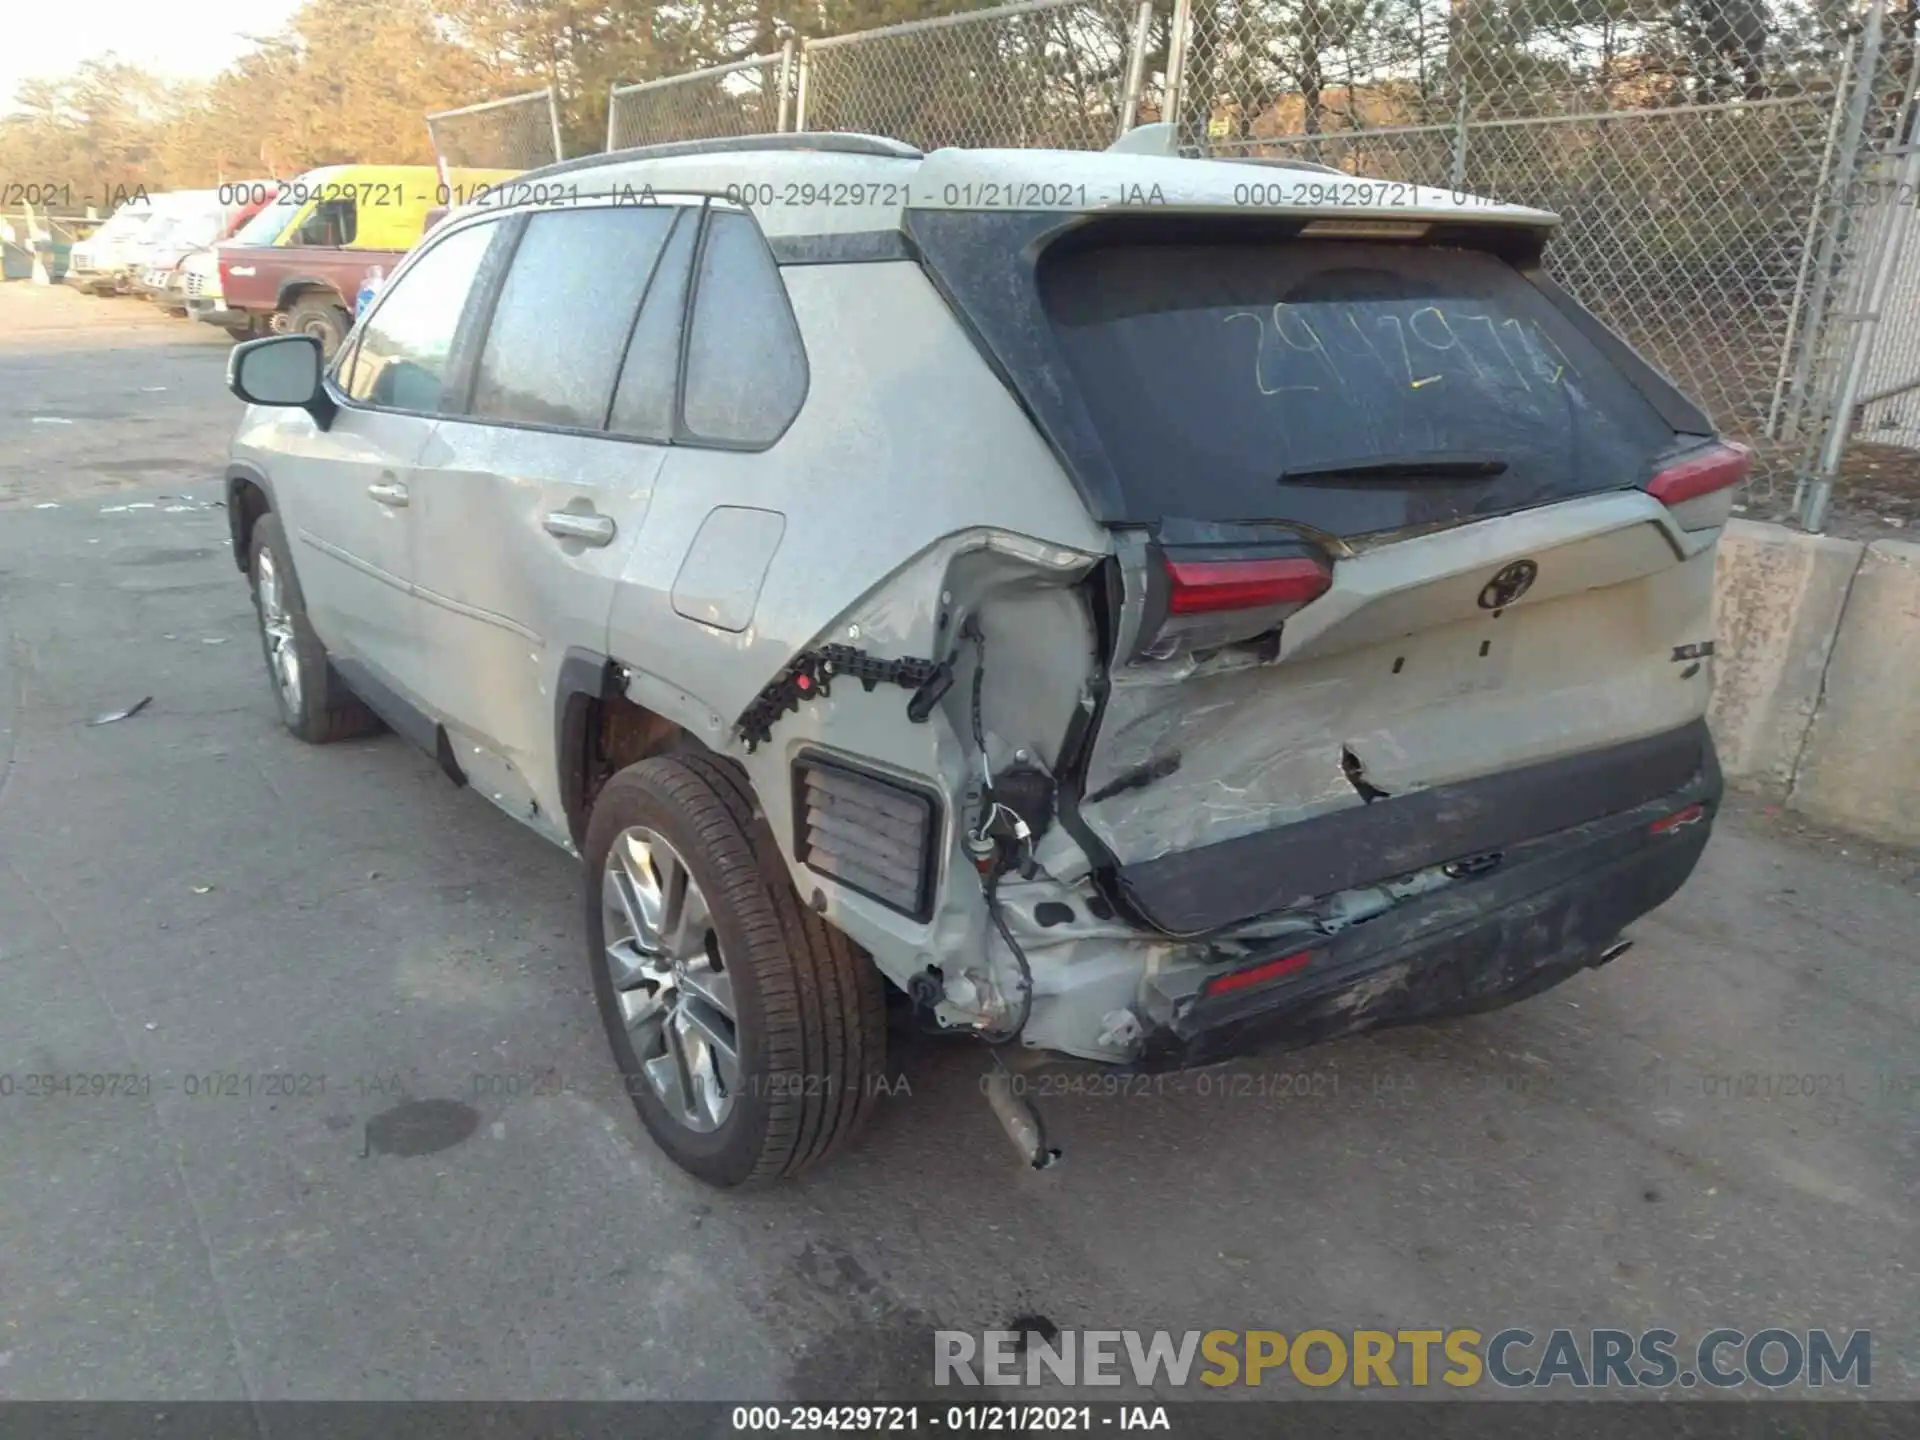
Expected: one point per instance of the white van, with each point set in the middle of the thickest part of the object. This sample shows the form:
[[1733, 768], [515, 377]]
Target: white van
[[114, 255], [200, 219], [98, 262]]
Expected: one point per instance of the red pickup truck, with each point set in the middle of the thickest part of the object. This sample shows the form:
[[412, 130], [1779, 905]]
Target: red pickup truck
[[298, 266], [301, 289]]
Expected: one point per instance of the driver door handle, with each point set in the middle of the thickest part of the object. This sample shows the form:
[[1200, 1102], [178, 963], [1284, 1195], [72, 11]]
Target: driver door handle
[[589, 529], [389, 492]]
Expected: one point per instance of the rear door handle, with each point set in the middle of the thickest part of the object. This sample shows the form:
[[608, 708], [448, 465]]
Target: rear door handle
[[589, 529], [389, 492]]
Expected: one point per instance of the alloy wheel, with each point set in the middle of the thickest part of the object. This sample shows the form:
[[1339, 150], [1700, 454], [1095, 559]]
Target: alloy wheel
[[675, 996], [276, 625]]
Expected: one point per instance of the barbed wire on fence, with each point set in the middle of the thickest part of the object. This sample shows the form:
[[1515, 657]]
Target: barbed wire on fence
[[520, 132]]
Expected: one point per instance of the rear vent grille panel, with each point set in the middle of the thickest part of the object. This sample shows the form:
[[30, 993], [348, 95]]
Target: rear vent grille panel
[[871, 835]]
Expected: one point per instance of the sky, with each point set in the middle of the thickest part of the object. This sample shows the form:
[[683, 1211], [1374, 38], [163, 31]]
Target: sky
[[179, 39]]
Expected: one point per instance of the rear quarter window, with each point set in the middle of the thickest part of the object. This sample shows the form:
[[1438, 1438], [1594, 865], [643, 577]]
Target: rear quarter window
[[746, 371]]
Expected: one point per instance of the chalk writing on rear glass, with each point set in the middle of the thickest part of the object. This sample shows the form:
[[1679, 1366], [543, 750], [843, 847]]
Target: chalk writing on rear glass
[[1260, 353], [1407, 348]]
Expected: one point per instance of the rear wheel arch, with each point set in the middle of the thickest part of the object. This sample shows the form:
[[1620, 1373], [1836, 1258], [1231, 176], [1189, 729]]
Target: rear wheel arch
[[307, 287], [599, 731]]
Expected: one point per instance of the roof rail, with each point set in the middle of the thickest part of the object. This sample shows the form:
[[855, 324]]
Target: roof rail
[[831, 141]]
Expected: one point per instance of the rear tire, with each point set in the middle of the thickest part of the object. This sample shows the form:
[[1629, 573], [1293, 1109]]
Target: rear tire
[[325, 321], [807, 1026], [315, 703]]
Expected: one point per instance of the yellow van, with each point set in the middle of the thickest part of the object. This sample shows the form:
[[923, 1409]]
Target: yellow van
[[360, 207], [300, 263]]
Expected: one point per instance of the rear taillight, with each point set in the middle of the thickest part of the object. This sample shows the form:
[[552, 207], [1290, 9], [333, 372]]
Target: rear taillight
[[1204, 604], [1699, 489], [1257, 974], [1206, 587], [1679, 820]]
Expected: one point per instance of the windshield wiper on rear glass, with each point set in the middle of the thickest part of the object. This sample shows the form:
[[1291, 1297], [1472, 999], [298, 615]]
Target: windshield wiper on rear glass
[[1441, 465]]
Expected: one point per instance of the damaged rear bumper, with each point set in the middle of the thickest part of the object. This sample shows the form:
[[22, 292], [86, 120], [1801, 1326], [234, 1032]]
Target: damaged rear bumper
[[1553, 907]]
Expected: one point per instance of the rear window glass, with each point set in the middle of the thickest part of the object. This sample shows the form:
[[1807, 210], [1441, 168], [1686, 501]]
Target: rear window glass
[[1355, 387]]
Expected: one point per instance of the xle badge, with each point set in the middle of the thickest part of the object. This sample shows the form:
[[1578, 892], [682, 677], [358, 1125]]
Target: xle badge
[[1509, 585]]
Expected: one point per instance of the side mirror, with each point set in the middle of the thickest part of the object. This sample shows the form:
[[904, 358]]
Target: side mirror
[[282, 370]]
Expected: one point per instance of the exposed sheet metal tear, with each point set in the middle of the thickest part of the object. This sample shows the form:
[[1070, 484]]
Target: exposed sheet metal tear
[[1356, 774]]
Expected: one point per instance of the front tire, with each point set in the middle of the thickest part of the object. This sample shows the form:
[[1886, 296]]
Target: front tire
[[314, 702], [751, 1035]]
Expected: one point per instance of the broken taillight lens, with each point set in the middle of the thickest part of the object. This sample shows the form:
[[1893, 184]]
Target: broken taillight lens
[[1699, 489], [1257, 974], [1679, 820], [1206, 603]]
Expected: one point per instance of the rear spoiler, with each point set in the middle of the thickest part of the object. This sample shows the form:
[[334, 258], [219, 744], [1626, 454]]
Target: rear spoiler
[[1163, 140]]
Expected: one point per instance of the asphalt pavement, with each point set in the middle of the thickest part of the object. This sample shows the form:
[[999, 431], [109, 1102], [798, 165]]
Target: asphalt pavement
[[331, 1114]]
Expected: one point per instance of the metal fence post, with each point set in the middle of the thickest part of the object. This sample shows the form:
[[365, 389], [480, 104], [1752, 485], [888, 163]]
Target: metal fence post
[[613, 114], [1179, 30], [785, 82], [1136, 68], [1842, 178], [1892, 240], [553, 117], [1460, 142], [439, 157], [800, 88], [1800, 281]]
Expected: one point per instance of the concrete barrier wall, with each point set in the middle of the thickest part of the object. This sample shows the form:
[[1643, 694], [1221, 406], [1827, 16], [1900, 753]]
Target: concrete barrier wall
[[1817, 675], [1861, 766], [1778, 596]]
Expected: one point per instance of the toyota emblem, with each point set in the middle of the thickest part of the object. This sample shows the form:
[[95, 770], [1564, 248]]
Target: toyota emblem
[[1509, 585]]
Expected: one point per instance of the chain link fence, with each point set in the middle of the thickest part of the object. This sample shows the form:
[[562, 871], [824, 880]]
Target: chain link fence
[[1729, 172], [748, 97], [521, 132], [1888, 403], [1045, 73]]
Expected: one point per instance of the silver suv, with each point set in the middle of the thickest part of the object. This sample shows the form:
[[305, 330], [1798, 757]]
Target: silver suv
[[1141, 608]]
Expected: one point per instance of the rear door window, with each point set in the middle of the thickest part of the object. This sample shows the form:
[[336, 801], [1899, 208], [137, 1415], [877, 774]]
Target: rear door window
[[1355, 387], [560, 327]]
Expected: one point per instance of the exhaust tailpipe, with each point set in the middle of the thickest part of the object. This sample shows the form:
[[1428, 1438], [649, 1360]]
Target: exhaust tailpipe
[[1020, 1120], [1613, 952]]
